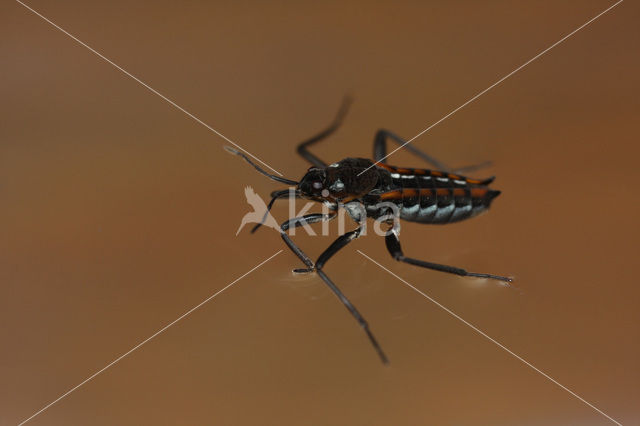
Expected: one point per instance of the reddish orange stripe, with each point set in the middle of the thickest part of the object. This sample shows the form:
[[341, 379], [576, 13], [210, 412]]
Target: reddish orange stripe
[[393, 195], [386, 167], [410, 193], [479, 192]]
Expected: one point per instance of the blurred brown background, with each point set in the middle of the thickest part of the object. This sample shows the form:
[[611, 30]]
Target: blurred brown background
[[118, 214]]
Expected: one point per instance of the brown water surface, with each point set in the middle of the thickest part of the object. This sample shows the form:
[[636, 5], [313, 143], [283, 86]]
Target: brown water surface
[[118, 214]]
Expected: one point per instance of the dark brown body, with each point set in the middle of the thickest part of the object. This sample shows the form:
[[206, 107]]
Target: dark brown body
[[418, 195], [430, 196]]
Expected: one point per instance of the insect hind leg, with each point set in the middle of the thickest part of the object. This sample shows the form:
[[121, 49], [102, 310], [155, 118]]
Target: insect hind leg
[[380, 149], [380, 153], [393, 245]]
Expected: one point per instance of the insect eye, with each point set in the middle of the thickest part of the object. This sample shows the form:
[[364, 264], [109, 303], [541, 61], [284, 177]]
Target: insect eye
[[316, 185]]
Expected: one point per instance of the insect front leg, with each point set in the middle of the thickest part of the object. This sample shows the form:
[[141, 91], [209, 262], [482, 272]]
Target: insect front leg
[[301, 221], [275, 195], [393, 245]]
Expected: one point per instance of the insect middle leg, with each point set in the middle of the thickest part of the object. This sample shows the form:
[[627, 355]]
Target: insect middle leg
[[393, 245], [339, 243], [380, 152]]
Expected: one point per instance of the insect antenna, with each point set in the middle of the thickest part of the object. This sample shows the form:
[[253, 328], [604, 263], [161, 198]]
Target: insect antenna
[[276, 194], [270, 176]]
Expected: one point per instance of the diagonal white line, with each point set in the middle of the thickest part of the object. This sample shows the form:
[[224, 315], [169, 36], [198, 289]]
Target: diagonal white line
[[148, 87], [500, 345], [495, 84], [146, 340]]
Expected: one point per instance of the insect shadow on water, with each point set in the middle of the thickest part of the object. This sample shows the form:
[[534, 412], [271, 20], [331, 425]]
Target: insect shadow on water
[[373, 189]]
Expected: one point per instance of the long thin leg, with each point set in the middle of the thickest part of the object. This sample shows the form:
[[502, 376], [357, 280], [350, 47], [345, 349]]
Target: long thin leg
[[275, 195], [339, 243], [302, 147], [393, 245], [380, 151], [473, 167], [342, 241], [300, 221]]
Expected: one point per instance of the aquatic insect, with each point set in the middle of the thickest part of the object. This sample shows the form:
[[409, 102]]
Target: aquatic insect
[[374, 189]]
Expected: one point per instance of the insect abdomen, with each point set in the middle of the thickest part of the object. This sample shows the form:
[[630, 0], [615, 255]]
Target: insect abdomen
[[444, 205], [436, 198]]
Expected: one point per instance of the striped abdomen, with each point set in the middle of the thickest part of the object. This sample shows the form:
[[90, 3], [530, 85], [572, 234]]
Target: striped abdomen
[[428, 196]]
